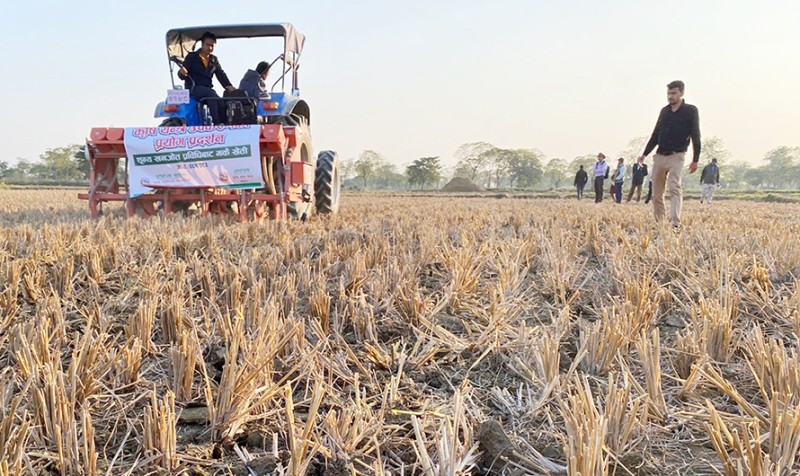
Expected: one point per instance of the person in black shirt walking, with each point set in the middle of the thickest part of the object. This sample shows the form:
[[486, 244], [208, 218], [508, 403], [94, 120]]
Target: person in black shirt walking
[[709, 181], [639, 173], [580, 181], [677, 124]]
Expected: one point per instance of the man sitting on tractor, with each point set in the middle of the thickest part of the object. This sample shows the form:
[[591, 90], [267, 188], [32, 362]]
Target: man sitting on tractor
[[198, 69], [253, 81]]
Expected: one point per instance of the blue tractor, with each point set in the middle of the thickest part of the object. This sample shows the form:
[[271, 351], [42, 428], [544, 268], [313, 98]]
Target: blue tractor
[[278, 107], [297, 181]]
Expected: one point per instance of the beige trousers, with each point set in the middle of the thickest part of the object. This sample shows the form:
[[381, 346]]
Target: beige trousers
[[668, 168]]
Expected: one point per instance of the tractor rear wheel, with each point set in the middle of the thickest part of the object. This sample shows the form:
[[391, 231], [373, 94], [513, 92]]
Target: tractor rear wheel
[[327, 183]]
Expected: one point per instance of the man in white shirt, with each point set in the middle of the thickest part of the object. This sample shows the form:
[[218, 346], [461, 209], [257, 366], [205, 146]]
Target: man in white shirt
[[600, 174]]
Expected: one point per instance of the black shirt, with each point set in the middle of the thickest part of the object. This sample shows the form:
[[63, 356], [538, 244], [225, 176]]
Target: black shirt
[[639, 173], [710, 175], [200, 74], [674, 129], [581, 177]]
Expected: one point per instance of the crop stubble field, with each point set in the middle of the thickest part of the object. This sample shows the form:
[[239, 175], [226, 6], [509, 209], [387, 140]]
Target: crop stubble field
[[408, 335]]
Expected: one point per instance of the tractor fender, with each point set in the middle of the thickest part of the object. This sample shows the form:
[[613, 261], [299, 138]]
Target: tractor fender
[[159, 112], [295, 105]]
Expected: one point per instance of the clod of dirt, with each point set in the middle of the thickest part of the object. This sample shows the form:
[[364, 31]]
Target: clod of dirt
[[674, 321], [500, 457], [461, 184], [194, 415], [262, 466], [633, 463], [335, 468], [496, 449]]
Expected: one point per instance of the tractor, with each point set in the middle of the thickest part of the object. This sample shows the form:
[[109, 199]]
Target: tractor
[[278, 175]]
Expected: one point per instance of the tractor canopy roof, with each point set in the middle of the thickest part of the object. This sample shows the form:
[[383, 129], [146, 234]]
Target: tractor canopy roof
[[181, 41]]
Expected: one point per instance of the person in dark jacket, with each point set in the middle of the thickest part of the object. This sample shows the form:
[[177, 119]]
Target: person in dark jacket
[[581, 177], [709, 181], [639, 173], [253, 81], [198, 70], [678, 124]]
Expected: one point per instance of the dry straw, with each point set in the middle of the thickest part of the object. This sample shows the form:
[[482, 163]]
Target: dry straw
[[381, 340]]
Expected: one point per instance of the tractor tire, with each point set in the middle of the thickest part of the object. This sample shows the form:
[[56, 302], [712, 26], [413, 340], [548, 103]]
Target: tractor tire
[[327, 183], [173, 122]]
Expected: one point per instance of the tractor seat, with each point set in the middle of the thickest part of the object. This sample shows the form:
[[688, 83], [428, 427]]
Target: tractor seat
[[240, 109]]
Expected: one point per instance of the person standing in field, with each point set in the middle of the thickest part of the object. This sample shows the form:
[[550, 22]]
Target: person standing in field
[[600, 175], [581, 177], [677, 124], [639, 173], [619, 179], [709, 181]]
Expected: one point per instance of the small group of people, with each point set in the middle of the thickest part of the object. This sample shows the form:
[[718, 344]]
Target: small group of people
[[709, 181], [201, 66], [677, 126], [601, 172]]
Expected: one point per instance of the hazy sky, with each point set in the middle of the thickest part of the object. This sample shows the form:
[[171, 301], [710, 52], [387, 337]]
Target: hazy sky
[[418, 78]]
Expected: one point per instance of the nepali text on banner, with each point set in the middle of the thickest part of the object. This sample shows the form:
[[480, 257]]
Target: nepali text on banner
[[193, 157]]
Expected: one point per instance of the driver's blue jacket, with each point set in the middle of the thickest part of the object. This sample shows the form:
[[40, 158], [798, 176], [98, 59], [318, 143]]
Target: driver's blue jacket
[[202, 74]]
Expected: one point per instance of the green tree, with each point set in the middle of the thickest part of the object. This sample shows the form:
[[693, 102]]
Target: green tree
[[555, 172], [348, 168], [756, 177], [82, 161], [424, 171], [782, 168], [4, 169], [471, 159], [59, 164], [633, 150], [735, 175], [714, 148], [523, 166], [497, 161], [387, 176], [587, 161], [365, 165], [21, 171]]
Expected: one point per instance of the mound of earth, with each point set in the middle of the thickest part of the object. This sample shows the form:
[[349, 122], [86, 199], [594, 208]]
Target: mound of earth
[[461, 184]]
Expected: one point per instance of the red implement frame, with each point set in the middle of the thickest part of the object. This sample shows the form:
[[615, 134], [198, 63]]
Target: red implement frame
[[106, 146]]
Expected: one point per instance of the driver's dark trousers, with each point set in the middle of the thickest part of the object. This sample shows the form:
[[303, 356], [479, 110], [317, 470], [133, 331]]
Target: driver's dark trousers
[[212, 99]]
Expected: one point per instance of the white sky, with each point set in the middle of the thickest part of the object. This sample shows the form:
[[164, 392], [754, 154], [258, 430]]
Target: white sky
[[418, 78]]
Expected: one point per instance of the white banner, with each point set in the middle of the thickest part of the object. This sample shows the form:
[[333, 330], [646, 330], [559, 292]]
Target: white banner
[[193, 157]]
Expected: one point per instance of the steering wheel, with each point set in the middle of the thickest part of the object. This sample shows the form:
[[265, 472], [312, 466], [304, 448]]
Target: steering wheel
[[179, 62]]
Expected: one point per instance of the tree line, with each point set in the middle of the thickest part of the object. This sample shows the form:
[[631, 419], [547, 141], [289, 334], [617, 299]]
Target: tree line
[[59, 165], [483, 163], [529, 169]]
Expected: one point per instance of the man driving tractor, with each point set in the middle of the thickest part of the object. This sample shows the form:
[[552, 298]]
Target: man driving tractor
[[197, 71]]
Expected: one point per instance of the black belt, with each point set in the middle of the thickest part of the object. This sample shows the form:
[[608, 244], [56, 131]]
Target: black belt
[[667, 152]]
